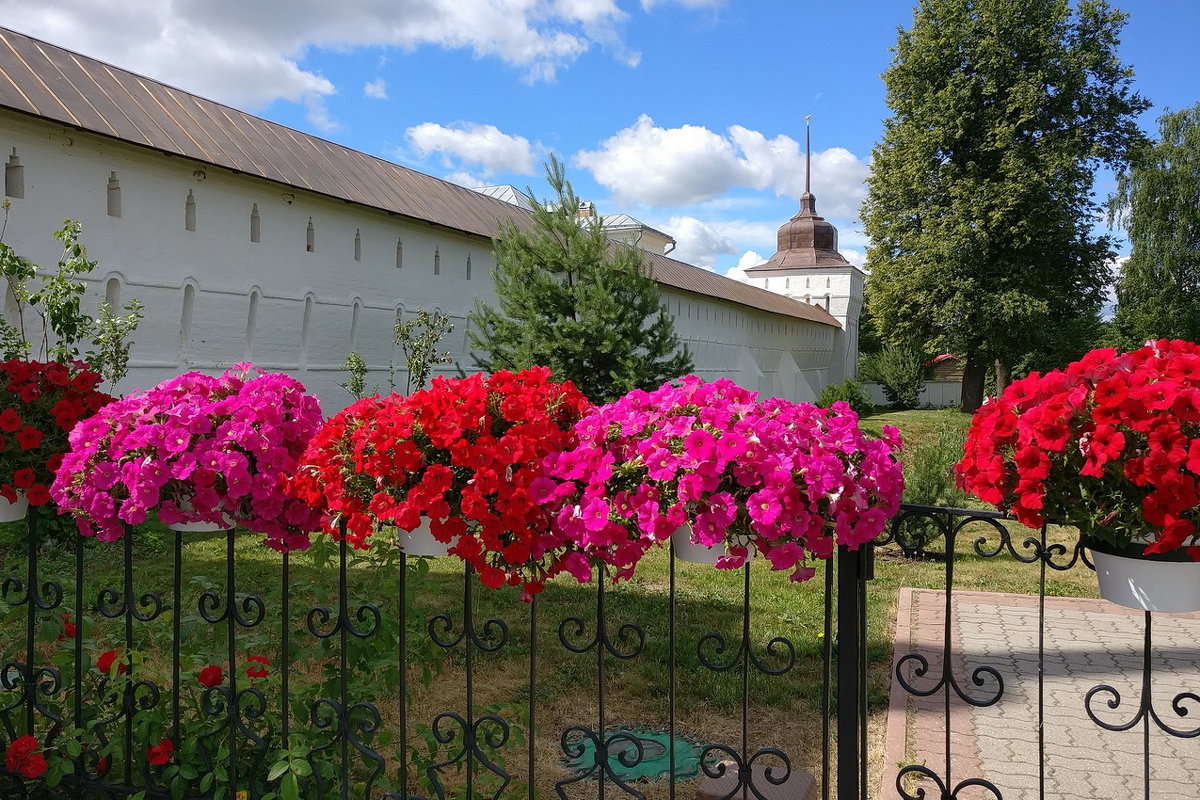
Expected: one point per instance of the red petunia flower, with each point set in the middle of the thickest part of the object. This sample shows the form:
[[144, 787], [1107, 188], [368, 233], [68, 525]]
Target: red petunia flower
[[10, 421], [29, 438], [211, 676], [37, 495], [159, 754], [258, 671], [23, 478]]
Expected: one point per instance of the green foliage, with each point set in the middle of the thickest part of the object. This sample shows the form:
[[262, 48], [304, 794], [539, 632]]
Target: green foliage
[[928, 467], [1158, 203], [850, 391], [979, 207], [571, 300], [356, 376], [900, 371], [61, 324], [418, 339]]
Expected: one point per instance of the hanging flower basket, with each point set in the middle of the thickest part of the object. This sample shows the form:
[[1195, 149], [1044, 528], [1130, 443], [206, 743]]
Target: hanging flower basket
[[40, 403], [1109, 445], [195, 449], [462, 459], [739, 475]]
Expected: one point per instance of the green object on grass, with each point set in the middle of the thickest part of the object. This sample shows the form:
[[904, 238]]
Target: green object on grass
[[655, 761]]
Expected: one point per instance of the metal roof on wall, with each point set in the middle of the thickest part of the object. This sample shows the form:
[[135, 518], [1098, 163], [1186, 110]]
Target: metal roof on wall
[[53, 83]]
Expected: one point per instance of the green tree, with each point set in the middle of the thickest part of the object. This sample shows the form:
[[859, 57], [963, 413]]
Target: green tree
[[49, 321], [571, 300], [1158, 202], [979, 207]]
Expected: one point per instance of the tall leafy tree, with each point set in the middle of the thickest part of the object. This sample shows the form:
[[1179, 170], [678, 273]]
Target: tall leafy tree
[[572, 300], [980, 208], [1158, 202]]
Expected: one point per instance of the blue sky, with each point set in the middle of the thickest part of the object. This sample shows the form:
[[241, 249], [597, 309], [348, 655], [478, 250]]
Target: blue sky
[[687, 114]]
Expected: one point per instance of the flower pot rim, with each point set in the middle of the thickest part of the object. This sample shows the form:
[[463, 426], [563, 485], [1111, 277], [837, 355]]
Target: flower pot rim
[[1135, 550]]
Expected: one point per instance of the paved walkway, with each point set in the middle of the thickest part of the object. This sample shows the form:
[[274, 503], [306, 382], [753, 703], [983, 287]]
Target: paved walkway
[[1087, 643]]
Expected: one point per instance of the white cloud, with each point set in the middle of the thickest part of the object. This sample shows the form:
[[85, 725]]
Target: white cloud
[[748, 259], [698, 243], [376, 89], [249, 54], [316, 112], [484, 145], [463, 178], [646, 164]]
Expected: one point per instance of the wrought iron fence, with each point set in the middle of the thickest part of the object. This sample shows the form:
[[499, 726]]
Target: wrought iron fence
[[198, 681], [940, 673]]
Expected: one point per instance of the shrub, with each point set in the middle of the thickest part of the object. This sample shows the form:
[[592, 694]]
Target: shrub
[[901, 372], [849, 391], [929, 467]]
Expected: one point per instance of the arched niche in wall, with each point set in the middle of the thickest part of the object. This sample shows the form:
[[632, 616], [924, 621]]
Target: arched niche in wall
[[355, 316], [310, 302], [185, 319], [252, 320], [112, 292]]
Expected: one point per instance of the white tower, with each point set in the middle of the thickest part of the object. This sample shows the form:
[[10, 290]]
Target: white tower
[[809, 268]]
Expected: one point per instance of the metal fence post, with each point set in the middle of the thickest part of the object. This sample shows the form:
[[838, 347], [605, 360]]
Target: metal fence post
[[854, 567]]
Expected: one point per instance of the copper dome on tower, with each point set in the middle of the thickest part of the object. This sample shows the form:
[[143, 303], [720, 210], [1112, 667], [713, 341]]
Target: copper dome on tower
[[807, 240]]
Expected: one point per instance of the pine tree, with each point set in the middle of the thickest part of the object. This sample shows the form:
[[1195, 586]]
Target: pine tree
[[1158, 201], [574, 301], [980, 208]]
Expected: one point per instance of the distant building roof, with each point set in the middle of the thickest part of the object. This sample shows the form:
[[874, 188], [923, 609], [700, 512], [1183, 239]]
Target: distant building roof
[[507, 193], [53, 83]]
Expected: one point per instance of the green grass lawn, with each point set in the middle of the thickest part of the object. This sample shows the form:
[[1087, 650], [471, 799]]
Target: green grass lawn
[[784, 710]]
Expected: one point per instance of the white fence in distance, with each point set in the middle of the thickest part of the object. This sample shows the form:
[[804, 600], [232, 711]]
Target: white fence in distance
[[935, 394]]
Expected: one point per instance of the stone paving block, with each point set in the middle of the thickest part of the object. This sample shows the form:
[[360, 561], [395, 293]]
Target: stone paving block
[[1087, 644]]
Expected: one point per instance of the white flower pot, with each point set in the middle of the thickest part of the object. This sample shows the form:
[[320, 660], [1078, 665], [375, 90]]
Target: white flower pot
[[1171, 586], [12, 512], [687, 550], [420, 541], [201, 527]]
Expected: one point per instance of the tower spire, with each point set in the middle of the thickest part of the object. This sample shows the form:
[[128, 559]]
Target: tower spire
[[808, 153]]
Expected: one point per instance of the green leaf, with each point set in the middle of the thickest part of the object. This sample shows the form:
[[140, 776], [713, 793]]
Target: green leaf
[[289, 789]]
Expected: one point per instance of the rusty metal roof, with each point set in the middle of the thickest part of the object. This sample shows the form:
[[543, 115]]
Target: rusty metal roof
[[53, 83]]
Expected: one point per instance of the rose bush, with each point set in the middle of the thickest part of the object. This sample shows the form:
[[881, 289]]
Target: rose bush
[[194, 448], [1110, 445]]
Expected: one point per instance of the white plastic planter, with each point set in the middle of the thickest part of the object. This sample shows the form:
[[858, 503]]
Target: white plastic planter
[[12, 512], [1170, 586], [687, 550], [201, 527], [420, 542]]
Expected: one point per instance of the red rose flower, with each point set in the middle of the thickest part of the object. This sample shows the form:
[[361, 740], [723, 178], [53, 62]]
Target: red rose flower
[[257, 671], [159, 754], [69, 630], [211, 676], [106, 660], [22, 758]]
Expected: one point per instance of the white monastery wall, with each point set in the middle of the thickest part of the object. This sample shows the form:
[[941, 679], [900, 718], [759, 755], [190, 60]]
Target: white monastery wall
[[289, 302]]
